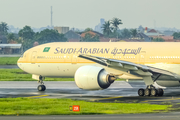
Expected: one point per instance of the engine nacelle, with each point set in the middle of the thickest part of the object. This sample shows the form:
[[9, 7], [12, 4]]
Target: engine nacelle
[[93, 78]]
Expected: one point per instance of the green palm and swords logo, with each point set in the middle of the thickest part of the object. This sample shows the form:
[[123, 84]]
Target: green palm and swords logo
[[46, 49]]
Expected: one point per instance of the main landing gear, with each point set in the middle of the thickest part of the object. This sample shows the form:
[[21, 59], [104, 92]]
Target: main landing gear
[[151, 91], [41, 87]]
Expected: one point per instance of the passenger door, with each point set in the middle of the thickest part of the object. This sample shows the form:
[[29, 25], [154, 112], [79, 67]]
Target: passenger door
[[142, 57], [74, 56], [33, 57]]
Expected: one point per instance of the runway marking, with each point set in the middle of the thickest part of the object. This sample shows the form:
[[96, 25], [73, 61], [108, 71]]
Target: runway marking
[[105, 98], [162, 100], [38, 96]]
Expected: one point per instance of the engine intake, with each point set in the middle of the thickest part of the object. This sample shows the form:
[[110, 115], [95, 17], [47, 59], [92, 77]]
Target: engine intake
[[93, 78]]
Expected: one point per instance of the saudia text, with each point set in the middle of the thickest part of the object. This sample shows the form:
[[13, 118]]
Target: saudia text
[[114, 51]]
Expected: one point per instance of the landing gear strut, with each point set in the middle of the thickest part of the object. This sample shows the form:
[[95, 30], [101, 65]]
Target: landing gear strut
[[151, 91], [41, 87]]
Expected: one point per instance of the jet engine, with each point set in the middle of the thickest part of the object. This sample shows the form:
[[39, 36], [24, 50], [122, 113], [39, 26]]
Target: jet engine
[[93, 78]]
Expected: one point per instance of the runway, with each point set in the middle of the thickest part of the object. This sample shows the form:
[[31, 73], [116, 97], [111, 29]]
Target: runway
[[119, 91]]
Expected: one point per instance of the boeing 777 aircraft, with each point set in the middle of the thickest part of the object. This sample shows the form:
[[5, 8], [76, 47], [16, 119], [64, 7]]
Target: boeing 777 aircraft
[[96, 65]]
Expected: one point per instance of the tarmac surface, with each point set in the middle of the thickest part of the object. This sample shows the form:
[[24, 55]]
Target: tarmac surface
[[10, 55], [9, 67], [119, 91], [157, 116]]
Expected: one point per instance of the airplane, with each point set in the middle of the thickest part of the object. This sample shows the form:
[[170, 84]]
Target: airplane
[[96, 65]]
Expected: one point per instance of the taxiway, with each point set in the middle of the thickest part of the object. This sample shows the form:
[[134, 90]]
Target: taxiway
[[119, 91]]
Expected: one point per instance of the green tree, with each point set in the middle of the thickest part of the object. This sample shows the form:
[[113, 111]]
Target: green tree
[[125, 34], [107, 28], [10, 37], [133, 32], [90, 38], [176, 35], [26, 37], [3, 28], [158, 40], [88, 29], [48, 35], [26, 33]]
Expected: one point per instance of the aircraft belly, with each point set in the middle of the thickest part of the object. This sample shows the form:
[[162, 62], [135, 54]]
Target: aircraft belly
[[168, 83], [51, 69]]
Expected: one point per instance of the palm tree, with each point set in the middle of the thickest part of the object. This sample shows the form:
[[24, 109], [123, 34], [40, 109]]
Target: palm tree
[[107, 28], [116, 22], [4, 27]]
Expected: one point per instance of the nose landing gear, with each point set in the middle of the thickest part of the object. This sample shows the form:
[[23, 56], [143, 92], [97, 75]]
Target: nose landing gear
[[41, 87]]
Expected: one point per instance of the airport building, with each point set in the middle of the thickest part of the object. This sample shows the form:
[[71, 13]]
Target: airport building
[[72, 36], [10, 48], [62, 30], [3, 39]]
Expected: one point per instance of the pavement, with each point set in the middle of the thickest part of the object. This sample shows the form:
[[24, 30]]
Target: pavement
[[157, 116], [10, 55], [9, 67], [119, 91]]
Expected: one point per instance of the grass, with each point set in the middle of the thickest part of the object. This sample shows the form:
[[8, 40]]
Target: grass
[[46, 106], [20, 75], [8, 60]]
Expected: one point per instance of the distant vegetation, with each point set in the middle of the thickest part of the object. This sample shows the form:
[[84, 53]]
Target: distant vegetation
[[27, 37], [158, 40], [176, 35], [110, 28], [90, 38], [3, 28]]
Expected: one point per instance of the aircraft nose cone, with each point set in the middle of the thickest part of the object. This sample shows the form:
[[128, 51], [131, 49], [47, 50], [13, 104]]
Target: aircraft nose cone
[[19, 64]]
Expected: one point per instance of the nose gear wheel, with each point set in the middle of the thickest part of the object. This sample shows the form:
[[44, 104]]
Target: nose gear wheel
[[41, 87]]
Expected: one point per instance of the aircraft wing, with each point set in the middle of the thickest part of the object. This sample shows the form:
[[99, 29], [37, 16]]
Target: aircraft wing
[[133, 68]]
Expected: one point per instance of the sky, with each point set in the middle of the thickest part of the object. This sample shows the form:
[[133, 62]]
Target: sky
[[87, 13]]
